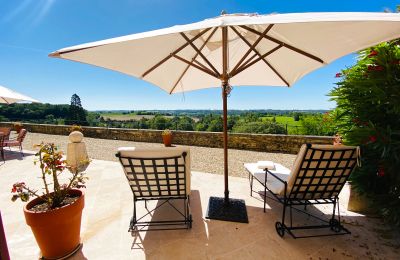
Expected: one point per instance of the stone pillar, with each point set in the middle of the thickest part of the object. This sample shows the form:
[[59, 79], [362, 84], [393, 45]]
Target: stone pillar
[[77, 157]]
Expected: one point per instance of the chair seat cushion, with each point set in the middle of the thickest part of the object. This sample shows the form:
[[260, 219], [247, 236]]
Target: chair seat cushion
[[273, 184], [11, 143]]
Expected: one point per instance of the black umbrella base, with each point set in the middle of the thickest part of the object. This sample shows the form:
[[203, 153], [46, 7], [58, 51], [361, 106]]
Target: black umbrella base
[[234, 210]]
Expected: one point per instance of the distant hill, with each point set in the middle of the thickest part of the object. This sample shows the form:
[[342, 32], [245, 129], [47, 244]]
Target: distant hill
[[195, 112]]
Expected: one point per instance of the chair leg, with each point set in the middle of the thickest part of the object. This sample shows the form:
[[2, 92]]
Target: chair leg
[[265, 196], [133, 220], [251, 185], [20, 150], [280, 226]]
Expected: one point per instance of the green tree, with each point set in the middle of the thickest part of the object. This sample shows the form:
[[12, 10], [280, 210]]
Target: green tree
[[159, 122], [368, 108], [296, 117], [77, 115], [318, 124], [215, 125], [185, 123]]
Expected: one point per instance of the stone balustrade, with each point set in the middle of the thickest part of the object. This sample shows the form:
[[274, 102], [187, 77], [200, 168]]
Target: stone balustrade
[[255, 142]]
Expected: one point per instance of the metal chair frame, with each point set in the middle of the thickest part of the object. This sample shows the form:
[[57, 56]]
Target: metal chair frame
[[166, 186], [298, 197], [2, 137]]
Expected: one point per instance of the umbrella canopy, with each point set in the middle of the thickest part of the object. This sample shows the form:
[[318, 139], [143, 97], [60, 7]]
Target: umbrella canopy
[[279, 49], [239, 50], [8, 96]]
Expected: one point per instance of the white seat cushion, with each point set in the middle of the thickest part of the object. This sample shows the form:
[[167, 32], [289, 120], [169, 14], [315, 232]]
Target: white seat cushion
[[272, 183]]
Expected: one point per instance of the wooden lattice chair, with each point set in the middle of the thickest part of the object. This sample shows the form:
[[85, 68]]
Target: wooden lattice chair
[[161, 174], [18, 141], [317, 177]]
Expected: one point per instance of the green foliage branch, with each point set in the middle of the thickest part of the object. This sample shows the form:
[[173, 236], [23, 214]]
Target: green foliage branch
[[368, 114]]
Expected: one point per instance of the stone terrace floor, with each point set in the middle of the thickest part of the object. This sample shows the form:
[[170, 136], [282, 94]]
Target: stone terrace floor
[[109, 207]]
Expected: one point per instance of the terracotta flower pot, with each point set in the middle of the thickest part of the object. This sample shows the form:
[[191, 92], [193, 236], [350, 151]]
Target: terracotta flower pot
[[57, 232], [167, 139]]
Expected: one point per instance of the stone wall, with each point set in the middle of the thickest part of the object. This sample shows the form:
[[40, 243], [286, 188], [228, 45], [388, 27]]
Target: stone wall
[[254, 142]]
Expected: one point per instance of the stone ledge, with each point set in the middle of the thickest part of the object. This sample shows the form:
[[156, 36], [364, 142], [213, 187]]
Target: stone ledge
[[253, 142]]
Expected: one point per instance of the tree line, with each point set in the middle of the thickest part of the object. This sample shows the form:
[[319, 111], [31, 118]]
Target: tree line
[[263, 122]]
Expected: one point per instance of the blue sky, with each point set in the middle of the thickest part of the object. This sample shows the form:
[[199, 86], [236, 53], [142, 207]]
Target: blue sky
[[30, 29]]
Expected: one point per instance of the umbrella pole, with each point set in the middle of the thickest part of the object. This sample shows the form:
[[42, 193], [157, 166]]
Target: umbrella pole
[[225, 89], [224, 208]]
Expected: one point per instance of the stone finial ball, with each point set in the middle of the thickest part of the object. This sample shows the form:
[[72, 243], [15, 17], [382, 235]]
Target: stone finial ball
[[75, 137]]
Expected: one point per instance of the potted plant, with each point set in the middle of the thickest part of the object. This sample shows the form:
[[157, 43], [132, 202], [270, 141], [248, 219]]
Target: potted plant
[[76, 128], [54, 214], [167, 137], [17, 126]]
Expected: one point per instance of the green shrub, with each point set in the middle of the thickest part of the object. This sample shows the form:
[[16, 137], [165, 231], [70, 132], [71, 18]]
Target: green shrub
[[318, 124], [368, 108]]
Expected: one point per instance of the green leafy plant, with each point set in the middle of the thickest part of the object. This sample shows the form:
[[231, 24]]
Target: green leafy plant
[[166, 132], [76, 128], [368, 114], [54, 193]]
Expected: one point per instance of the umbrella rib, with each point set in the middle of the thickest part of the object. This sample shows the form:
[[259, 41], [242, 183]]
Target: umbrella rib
[[191, 63], [5, 100], [173, 53], [58, 54], [200, 53], [284, 44], [257, 60], [249, 59], [194, 59], [252, 47], [200, 64], [276, 72], [257, 53]]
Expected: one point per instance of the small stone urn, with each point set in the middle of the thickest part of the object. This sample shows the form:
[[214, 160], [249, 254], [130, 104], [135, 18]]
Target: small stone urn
[[77, 157]]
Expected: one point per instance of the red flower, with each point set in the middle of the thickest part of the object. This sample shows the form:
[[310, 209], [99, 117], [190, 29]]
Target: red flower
[[396, 62], [373, 53], [381, 172], [14, 189], [372, 138], [375, 68], [338, 75]]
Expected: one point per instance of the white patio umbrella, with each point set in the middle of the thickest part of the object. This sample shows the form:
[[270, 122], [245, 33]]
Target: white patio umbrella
[[8, 96], [237, 50]]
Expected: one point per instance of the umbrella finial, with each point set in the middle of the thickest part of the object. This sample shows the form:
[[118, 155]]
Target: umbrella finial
[[223, 12]]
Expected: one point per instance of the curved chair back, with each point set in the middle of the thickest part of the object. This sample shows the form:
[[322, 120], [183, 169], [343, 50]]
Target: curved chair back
[[320, 171], [21, 135], [156, 172]]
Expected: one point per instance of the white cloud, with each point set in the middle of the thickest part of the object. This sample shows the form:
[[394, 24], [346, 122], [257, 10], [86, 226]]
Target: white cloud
[[33, 11]]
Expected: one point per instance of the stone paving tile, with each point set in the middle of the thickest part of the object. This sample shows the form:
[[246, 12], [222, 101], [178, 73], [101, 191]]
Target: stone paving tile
[[109, 207]]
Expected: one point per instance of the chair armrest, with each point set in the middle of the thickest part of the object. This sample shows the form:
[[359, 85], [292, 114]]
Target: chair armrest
[[276, 177], [279, 179]]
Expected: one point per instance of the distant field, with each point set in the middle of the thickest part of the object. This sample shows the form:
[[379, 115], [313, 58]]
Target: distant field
[[284, 120], [123, 117], [293, 127]]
